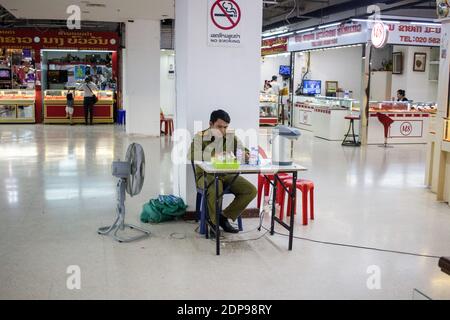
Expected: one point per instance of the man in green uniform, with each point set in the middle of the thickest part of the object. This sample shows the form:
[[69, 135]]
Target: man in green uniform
[[210, 143]]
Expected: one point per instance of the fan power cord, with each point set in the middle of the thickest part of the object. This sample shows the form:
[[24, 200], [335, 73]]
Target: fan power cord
[[356, 247]]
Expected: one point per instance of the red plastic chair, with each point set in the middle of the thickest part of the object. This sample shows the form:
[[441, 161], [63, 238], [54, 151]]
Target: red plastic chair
[[168, 124], [305, 186], [263, 183], [386, 121]]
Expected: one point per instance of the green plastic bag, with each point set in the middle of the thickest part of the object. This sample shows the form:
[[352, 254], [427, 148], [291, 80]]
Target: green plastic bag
[[162, 209]]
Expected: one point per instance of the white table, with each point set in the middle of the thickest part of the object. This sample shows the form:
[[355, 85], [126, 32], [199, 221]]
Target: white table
[[265, 170]]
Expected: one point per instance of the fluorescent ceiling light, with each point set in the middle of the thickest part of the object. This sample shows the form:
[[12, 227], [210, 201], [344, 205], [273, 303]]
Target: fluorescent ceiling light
[[329, 25], [306, 30], [286, 34], [371, 20], [427, 24], [268, 34], [272, 37]]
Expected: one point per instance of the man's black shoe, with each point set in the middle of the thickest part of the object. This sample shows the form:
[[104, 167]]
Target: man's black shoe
[[226, 226]]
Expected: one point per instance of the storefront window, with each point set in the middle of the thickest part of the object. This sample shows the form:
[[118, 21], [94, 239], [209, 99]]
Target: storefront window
[[69, 69], [17, 69]]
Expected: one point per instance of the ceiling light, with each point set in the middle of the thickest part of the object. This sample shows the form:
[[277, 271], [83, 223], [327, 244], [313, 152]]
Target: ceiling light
[[268, 34], [426, 24], [329, 25], [306, 30]]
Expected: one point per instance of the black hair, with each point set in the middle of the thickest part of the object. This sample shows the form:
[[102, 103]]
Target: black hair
[[220, 114], [274, 78], [401, 92]]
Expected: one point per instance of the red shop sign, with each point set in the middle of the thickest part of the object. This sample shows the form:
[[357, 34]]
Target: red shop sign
[[58, 39]]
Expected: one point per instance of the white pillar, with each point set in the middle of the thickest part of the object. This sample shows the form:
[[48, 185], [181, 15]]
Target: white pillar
[[142, 77], [212, 77]]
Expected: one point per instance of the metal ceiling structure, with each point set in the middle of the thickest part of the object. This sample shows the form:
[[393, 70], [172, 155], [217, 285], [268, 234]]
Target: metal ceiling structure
[[295, 14], [304, 13]]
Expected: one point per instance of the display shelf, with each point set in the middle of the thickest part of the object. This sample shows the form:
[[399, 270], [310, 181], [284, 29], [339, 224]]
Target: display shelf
[[17, 106], [268, 110], [402, 107], [55, 103]]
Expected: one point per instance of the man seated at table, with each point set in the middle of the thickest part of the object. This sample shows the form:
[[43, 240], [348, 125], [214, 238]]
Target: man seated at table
[[210, 143]]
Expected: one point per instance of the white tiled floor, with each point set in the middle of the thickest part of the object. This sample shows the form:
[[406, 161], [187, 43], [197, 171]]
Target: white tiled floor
[[56, 190]]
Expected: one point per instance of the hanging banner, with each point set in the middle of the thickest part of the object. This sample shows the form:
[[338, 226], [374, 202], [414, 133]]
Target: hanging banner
[[274, 46], [344, 34], [224, 23], [415, 35], [58, 39]]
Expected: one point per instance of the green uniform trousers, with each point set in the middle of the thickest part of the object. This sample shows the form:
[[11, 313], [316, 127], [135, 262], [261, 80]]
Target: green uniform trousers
[[243, 190]]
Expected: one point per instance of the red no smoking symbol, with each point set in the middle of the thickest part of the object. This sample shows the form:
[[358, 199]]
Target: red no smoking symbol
[[225, 14]]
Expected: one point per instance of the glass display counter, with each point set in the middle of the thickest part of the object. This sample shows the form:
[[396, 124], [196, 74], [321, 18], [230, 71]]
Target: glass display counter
[[324, 116], [55, 106], [17, 106], [396, 106], [268, 110], [411, 122]]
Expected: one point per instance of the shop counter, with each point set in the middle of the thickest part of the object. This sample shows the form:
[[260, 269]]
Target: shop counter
[[55, 107], [17, 106], [324, 116], [411, 124], [268, 110]]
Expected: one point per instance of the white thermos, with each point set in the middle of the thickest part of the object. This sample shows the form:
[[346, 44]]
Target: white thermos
[[282, 145]]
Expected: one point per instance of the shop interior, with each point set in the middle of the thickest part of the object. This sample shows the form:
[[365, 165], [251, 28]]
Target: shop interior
[[67, 69], [274, 108], [17, 84]]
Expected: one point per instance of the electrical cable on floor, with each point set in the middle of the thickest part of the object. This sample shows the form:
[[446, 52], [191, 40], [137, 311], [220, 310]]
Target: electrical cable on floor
[[355, 246], [178, 236]]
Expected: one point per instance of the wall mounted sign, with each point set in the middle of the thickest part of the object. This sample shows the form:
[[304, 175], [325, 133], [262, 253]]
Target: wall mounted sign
[[58, 39], [273, 46], [224, 23], [379, 35], [415, 35], [344, 34]]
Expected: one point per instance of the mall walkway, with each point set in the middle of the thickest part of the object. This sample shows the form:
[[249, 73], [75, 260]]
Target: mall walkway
[[56, 189]]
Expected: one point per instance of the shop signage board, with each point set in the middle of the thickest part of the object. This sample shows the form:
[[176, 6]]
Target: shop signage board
[[344, 34], [273, 46], [58, 39], [224, 23], [379, 35], [414, 35]]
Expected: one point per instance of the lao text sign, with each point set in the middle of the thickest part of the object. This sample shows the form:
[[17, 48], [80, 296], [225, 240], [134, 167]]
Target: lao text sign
[[224, 23], [345, 34], [273, 46], [58, 39], [416, 35]]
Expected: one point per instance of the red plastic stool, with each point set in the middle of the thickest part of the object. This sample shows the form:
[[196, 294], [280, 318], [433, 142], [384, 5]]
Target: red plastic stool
[[386, 121], [263, 183], [168, 125], [304, 186]]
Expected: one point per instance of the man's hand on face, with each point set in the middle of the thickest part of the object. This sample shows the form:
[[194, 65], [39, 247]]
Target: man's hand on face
[[219, 128]]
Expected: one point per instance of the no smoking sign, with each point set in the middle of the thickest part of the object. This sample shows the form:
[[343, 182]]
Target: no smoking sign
[[224, 21], [225, 14]]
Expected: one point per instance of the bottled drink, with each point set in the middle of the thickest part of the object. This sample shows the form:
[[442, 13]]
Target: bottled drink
[[253, 156], [239, 156]]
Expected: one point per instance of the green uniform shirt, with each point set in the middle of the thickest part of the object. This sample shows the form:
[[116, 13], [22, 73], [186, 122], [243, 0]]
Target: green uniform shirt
[[205, 146]]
